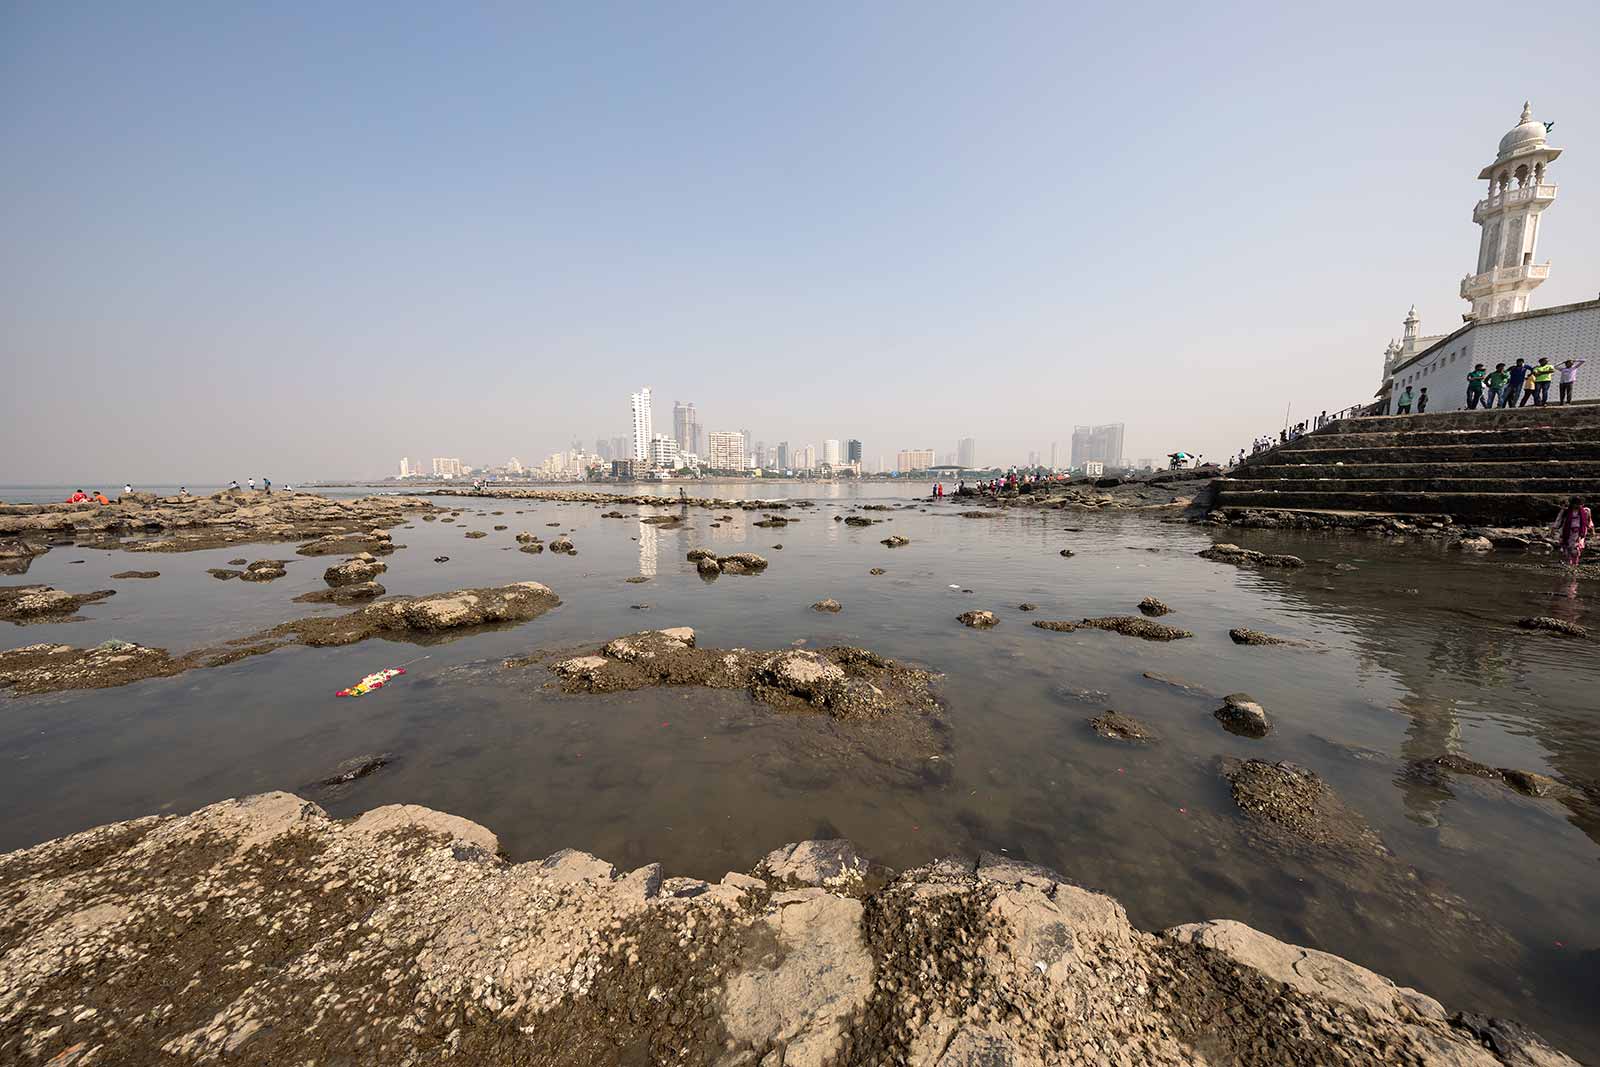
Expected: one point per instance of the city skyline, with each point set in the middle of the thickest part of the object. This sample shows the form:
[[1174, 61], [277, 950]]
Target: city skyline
[[484, 249]]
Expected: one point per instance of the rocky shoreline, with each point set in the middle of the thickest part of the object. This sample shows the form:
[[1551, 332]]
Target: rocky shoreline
[[148, 523], [261, 931]]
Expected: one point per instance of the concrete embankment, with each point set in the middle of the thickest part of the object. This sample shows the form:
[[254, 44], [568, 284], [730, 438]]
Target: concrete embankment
[[261, 931]]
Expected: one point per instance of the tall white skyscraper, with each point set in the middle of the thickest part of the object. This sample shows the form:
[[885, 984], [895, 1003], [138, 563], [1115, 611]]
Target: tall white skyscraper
[[405, 467], [642, 430], [830, 452]]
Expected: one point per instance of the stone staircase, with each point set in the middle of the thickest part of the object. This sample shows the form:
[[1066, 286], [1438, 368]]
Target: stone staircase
[[1507, 467]]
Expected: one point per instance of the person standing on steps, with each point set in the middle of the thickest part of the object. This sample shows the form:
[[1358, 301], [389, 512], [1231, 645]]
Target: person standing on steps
[[1569, 378], [1497, 386], [1519, 374], [1573, 527], [1422, 400], [1542, 376], [1527, 388], [1404, 406], [1475, 379]]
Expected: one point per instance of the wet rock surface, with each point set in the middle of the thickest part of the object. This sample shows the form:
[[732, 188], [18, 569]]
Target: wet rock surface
[[895, 541], [1241, 714], [363, 567], [1115, 726], [1153, 607], [47, 668], [978, 620], [1246, 557], [847, 683], [120, 575], [53, 668], [828, 604], [23, 604], [144, 523], [264, 570], [353, 593], [1293, 803], [1559, 627], [1134, 626], [1241, 635], [401, 937]]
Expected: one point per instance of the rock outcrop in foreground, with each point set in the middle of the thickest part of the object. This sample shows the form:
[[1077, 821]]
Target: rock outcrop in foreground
[[260, 931]]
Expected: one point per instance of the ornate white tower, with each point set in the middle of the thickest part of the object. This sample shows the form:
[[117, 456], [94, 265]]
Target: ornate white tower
[[1509, 215]]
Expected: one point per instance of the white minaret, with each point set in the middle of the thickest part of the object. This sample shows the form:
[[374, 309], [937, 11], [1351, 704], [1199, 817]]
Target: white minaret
[[1509, 215], [640, 403]]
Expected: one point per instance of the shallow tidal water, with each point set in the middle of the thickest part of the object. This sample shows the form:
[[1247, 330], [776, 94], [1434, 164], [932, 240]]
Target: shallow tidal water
[[1489, 901]]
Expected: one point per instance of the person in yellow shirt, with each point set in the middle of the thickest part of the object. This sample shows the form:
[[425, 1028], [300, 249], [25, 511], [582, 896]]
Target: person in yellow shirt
[[1542, 375]]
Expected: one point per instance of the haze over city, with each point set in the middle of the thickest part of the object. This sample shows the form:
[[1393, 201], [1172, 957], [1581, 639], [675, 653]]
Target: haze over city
[[306, 241]]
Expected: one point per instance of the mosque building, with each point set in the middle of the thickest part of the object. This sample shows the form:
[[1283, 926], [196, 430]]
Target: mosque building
[[1500, 327]]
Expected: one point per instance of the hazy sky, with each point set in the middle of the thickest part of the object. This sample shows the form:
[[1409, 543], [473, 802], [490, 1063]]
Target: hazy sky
[[303, 240]]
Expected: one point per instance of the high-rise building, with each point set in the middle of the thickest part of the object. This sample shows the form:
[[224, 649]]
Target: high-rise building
[[444, 467], [1103, 443], [967, 452], [602, 448], [514, 465], [725, 450], [405, 467], [1054, 448], [913, 459], [830, 452], [663, 452], [852, 451], [782, 460], [805, 458], [639, 404], [685, 426]]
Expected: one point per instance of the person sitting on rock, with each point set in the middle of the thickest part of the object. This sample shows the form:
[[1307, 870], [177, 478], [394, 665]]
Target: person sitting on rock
[[100, 498], [78, 498]]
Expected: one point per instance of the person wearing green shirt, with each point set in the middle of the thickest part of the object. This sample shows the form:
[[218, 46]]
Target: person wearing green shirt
[[1497, 385], [1475, 379]]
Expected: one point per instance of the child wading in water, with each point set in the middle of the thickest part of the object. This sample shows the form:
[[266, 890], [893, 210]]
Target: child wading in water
[[1572, 530]]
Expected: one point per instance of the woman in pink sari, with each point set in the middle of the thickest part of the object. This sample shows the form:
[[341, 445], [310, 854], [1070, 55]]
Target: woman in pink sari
[[1573, 527]]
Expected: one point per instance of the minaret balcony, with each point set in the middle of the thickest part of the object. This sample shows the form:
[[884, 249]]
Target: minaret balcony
[[1523, 194], [1526, 275]]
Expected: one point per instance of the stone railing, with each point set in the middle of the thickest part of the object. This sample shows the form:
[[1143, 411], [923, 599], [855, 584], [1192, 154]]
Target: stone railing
[[1477, 284], [1511, 197]]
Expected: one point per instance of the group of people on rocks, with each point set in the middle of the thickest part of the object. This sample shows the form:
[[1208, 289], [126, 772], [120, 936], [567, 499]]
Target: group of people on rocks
[[1520, 383], [80, 497], [266, 485]]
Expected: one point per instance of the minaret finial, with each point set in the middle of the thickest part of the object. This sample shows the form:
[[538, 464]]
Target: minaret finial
[[1527, 111]]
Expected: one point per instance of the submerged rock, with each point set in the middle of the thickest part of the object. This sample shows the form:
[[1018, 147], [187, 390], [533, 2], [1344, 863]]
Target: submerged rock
[[353, 769], [1134, 626], [858, 520], [742, 563], [1241, 714], [223, 573], [424, 946], [475, 534], [137, 574], [1061, 626], [1546, 624], [1242, 636], [1115, 726], [895, 541], [827, 604], [563, 546], [1296, 805], [980, 619], [1027, 606], [877, 570], [375, 541]]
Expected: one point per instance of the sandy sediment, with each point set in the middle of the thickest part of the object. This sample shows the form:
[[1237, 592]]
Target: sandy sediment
[[261, 931]]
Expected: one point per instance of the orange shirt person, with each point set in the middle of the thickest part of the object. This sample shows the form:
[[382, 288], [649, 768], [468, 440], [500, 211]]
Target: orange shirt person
[[100, 497]]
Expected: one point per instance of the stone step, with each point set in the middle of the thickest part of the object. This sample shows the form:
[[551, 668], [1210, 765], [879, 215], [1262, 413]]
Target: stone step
[[1515, 468], [1585, 487], [1485, 436], [1585, 412], [1531, 450], [1490, 509]]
